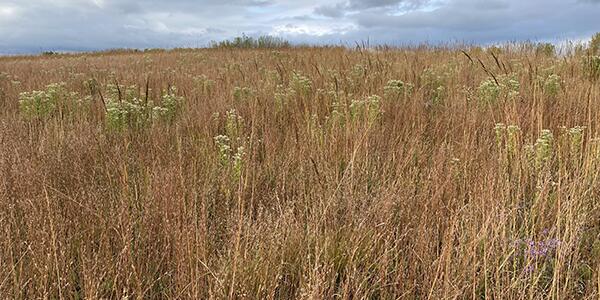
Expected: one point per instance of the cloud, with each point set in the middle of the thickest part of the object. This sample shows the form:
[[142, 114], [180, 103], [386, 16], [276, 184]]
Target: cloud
[[40, 25], [309, 30], [471, 21], [342, 8], [358, 4], [332, 11]]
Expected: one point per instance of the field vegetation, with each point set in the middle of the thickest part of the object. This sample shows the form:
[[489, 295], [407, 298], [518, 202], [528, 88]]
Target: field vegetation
[[246, 171]]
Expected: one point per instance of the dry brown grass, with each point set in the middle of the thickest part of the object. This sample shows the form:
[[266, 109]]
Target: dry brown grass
[[422, 202]]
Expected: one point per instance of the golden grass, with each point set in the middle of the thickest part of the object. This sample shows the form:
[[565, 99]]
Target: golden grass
[[420, 201]]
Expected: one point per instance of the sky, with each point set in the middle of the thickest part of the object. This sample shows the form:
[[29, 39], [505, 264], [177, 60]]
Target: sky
[[33, 26]]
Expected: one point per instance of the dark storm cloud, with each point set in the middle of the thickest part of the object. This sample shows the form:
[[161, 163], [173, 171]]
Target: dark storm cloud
[[40, 25], [489, 21], [471, 21]]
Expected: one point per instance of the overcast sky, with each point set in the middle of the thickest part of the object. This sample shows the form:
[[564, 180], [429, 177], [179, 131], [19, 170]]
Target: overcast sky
[[29, 26]]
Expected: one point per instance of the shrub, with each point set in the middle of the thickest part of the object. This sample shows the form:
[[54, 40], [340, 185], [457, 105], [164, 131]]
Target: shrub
[[595, 44], [496, 50], [592, 67], [546, 49]]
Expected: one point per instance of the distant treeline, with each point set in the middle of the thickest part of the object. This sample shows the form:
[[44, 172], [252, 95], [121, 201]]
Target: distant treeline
[[248, 42], [271, 42]]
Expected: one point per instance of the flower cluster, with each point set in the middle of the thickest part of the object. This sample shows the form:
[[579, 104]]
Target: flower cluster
[[127, 109], [203, 84], [169, 107], [36, 104], [532, 251], [490, 90], [281, 96], [508, 137], [396, 89], [232, 139], [576, 140], [540, 249], [242, 93], [433, 81], [120, 114], [358, 71], [543, 148], [300, 84], [368, 108], [552, 85], [43, 104], [500, 129]]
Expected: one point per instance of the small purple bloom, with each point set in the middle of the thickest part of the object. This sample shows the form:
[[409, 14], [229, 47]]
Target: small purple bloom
[[534, 250]]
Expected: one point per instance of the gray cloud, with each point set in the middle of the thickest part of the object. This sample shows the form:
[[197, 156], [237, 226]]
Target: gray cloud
[[40, 25], [342, 8], [139, 6], [492, 20], [365, 4], [472, 21]]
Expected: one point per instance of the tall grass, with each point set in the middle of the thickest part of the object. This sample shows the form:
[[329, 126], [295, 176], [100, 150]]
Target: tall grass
[[310, 173]]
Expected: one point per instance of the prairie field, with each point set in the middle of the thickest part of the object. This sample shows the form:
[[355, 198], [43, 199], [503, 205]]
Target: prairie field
[[301, 173]]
